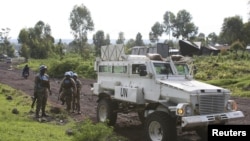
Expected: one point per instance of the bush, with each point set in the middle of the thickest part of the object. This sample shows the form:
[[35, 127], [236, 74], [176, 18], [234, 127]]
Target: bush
[[87, 131]]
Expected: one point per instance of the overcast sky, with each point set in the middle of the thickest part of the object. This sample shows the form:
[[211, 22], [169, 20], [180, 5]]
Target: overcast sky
[[114, 16]]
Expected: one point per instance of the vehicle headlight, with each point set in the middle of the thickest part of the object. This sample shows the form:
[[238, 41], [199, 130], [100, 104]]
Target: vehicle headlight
[[231, 105], [183, 109]]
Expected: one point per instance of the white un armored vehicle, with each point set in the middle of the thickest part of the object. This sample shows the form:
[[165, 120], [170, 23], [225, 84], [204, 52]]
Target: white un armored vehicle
[[162, 92]]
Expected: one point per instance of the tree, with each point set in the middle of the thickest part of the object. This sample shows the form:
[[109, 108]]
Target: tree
[[246, 33], [5, 45], [121, 38], [24, 51], [156, 31], [212, 38], [232, 29], [99, 41], [37, 40], [107, 40], [138, 40], [168, 20], [182, 25], [24, 36], [130, 43], [80, 23], [59, 48], [201, 38], [236, 46]]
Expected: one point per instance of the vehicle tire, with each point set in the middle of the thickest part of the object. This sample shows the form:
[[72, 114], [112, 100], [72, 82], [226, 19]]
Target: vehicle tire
[[159, 126], [105, 112], [141, 116]]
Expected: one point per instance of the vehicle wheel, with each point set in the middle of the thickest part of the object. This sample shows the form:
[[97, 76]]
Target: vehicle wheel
[[105, 112], [202, 133], [141, 116], [159, 126]]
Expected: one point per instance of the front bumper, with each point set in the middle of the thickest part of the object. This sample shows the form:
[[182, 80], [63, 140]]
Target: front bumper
[[204, 120]]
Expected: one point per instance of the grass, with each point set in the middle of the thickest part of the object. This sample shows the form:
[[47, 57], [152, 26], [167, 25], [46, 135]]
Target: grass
[[225, 71], [22, 126]]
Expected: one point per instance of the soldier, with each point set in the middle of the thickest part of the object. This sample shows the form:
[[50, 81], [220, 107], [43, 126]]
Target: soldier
[[26, 71], [41, 90], [67, 89], [76, 98]]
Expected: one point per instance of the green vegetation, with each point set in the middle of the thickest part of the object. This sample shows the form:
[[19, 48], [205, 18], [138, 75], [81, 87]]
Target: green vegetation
[[22, 126], [71, 62], [228, 71], [87, 131]]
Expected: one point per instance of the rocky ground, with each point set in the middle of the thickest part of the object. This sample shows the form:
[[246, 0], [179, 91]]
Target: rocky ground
[[128, 125]]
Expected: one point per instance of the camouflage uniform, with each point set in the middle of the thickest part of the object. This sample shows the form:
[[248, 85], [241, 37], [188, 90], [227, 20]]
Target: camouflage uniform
[[66, 91], [41, 90], [76, 97]]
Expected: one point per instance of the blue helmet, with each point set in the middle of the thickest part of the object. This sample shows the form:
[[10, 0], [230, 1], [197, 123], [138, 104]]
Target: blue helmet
[[71, 73], [67, 74], [75, 75], [42, 67]]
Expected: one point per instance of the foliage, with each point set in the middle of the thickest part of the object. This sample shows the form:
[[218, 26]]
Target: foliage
[[121, 38], [5, 45], [129, 45], [99, 40], [156, 31], [107, 39], [225, 71], [236, 46], [71, 62], [36, 42], [88, 131], [232, 28], [212, 38], [168, 22], [21, 126], [138, 40], [246, 33], [80, 23], [181, 25]]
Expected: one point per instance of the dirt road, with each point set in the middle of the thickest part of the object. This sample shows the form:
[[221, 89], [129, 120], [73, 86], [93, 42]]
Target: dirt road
[[128, 125]]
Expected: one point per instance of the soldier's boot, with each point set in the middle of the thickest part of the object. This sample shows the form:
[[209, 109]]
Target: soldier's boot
[[37, 114], [78, 108], [43, 113], [73, 108]]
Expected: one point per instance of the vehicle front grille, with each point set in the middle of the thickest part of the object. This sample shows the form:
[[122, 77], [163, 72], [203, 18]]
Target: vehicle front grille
[[211, 104]]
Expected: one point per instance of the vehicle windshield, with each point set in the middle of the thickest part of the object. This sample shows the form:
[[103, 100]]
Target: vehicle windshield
[[182, 69], [162, 68]]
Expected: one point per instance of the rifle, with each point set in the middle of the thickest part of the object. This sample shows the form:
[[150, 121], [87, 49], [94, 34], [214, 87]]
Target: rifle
[[34, 99]]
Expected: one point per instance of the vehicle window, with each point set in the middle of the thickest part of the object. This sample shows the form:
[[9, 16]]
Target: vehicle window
[[163, 68], [135, 68], [119, 69], [104, 69], [182, 69]]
